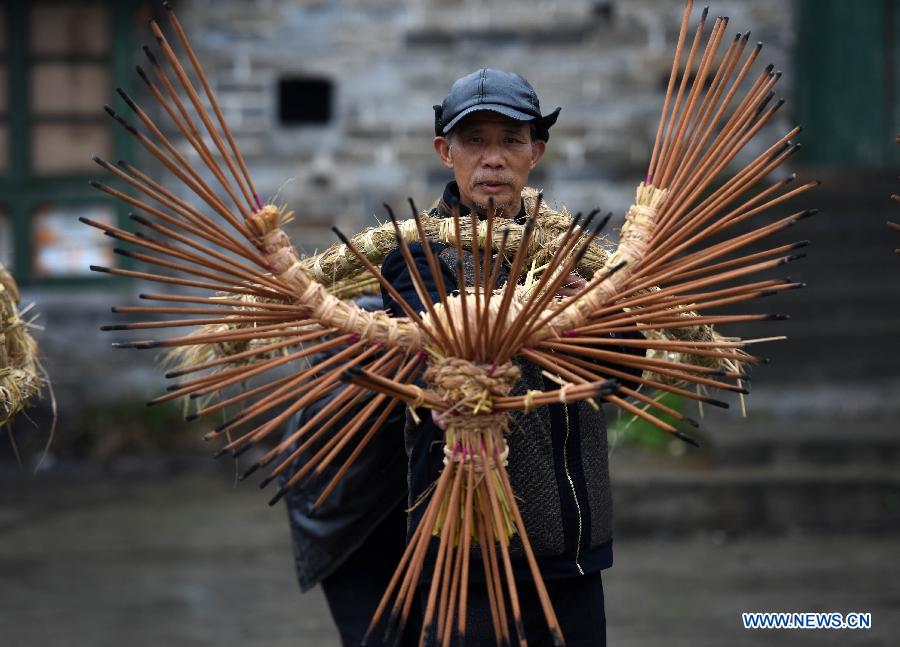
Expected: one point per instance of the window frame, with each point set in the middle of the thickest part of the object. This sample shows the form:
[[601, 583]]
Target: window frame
[[21, 190]]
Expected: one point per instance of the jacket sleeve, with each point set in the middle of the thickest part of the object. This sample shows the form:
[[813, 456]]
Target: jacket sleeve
[[397, 273]]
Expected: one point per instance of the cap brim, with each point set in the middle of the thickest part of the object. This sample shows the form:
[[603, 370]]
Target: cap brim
[[490, 107]]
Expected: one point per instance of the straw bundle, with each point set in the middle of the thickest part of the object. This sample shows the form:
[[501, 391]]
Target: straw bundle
[[20, 379]]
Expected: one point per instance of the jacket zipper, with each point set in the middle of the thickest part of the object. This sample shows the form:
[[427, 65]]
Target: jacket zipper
[[574, 494]]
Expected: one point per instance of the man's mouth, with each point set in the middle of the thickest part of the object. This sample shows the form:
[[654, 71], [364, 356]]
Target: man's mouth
[[492, 187]]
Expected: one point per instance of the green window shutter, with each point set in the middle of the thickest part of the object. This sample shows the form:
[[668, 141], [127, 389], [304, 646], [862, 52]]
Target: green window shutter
[[27, 196], [846, 82]]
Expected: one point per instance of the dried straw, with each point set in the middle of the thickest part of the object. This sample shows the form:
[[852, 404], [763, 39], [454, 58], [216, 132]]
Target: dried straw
[[20, 373]]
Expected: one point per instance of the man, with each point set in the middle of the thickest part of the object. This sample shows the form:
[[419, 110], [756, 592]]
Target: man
[[490, 132]]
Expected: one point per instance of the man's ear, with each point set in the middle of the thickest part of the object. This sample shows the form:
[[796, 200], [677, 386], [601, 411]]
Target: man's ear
[[442, 147], [537, 151]]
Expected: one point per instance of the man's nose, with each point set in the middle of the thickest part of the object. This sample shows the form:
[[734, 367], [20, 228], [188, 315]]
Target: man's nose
[[493, 157]]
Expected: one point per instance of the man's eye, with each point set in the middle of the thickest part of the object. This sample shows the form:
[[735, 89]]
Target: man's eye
[[514, 140]]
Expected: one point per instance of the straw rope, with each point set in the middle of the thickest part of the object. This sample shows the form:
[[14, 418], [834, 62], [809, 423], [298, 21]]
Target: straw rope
[[323, 306], [634, 241], [339, 269]]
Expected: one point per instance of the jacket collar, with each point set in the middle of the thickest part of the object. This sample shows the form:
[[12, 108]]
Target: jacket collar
[[451, 198]]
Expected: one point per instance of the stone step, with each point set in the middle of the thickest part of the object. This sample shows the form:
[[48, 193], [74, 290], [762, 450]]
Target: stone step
[[823, 452], [750, 500]]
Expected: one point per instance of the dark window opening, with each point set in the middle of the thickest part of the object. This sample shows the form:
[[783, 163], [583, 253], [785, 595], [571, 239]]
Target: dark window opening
[[304, 101]]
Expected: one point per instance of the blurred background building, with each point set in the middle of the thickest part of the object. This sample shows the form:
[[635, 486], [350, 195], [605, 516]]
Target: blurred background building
[[331, 104]]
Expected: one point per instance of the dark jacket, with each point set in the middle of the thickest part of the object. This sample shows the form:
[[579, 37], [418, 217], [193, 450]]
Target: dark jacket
[[558, 454], [372, 488]]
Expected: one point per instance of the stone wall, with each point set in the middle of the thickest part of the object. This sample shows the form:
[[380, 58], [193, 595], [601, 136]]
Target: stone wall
[[605, 63]]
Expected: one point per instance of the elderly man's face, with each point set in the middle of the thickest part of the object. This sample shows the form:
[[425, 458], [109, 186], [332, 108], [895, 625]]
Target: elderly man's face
[[491, 157]]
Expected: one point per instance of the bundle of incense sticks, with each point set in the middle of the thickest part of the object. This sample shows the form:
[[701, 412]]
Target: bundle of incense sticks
[[679, 259]]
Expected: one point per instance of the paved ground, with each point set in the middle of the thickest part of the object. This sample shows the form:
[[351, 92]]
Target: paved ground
[[188, 561]]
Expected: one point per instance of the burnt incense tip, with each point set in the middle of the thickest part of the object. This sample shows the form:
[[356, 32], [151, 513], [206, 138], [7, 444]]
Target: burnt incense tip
[[717, 403], [608, 387], [243, 450], [99, 268], [556, 637], [778, 317], [737, 37], [124, 96], [704, 13], [167, 6], [767, 293], [520, 628], [603, 222], [190, 418], [693, 423], [686, 438], [765, 360], [770, 66], [109, 110], [220, 452], [141, 73], [109, 327], [250, 471], [278, 496], [340, 235], [150, 55], [99, 160], [795, 257], [746, 37], [779, 103], [798, 286], [390, 212], [224, 425], [95, 184]]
